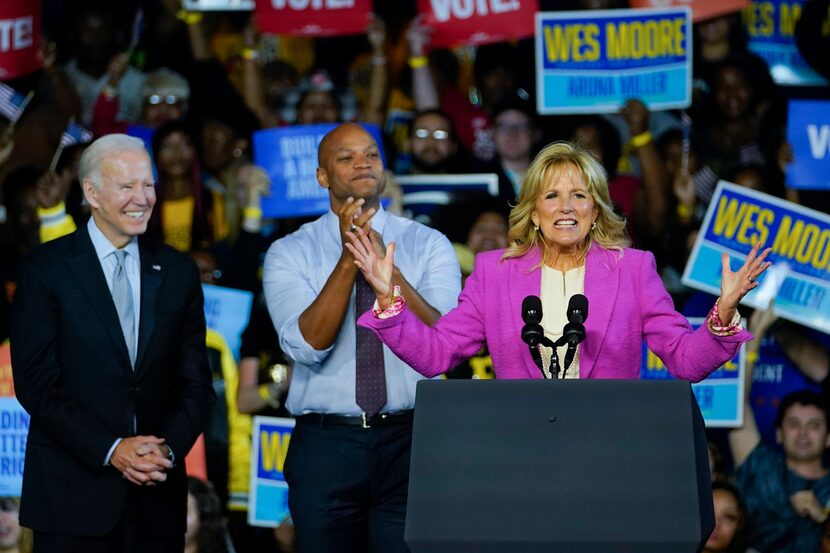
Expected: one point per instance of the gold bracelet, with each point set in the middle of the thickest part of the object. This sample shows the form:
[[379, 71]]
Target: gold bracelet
[[417, 62], [640, 140]]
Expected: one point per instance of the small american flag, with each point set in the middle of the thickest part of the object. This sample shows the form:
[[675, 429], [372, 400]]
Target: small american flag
[[75, 134], [11, 103]]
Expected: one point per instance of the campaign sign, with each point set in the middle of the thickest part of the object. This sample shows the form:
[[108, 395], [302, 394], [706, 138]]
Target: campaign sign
[[701, 9], [808, 132], [268, 495], [471, 22], [227, 311], [423, 193], [593, 61], [218, 5], [770, 26], [289, 156], [19, 38], [799, 278], [720, 396], [313, 17], [14, 427]]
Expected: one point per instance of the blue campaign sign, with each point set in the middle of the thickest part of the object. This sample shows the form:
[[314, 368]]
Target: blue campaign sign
[[423, 193], [268, 495], [799, 278], [770, 26], [720, 396], [227, 311], [289, 156], [593, 61], [14, 429], [808, 131]]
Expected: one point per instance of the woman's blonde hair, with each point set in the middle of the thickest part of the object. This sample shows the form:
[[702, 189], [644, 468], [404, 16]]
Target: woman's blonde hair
[[610, 231]]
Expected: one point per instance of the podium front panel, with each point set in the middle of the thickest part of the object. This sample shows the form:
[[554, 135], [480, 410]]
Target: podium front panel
[[581, 466]]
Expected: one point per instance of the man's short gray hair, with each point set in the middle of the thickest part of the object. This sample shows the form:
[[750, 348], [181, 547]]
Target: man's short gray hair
[[89, 167]]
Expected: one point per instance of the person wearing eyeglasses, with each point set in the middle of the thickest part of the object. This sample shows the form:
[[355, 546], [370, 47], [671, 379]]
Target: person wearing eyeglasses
[[433, 144], [164, 97]]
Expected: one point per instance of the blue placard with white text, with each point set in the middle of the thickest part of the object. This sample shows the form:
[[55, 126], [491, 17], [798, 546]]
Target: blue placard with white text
[[799, 278], [422, 194], [593, 61], [770, 28], [268, 495], [227, 311], [289, 156], [720, 396], [808, 132]]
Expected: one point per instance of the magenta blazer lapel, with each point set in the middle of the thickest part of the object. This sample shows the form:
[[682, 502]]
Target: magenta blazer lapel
[[602, 282], [523, 279]]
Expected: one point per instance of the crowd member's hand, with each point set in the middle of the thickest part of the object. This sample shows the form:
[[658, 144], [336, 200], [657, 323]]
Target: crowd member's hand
[[116, 69], [6, 144], [376, 34], [284, 534], [636, 115], [140, 460], [806, 504], [418, 37], [253, 184], [52, 188], [49, 55], [784, 156], [734, 285], [762, 319], [376, 269], [684, 190]]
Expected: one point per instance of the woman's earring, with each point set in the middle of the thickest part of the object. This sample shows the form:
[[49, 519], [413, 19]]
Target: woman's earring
[[593, 225], [536, 228]]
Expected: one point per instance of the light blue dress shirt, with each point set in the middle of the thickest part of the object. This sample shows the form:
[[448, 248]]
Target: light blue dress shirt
[[296, 269]]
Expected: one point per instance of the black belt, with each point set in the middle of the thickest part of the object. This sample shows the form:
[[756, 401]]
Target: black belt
[[363, 421]]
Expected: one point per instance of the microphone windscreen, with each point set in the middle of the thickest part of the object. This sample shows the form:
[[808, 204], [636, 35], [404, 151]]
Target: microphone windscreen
[[532, 310], [578, 308]]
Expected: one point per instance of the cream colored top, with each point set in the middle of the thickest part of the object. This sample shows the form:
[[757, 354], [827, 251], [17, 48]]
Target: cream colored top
[[557, 289]]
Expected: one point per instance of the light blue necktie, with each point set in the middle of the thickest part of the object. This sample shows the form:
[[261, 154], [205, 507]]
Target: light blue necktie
[[122, 295]]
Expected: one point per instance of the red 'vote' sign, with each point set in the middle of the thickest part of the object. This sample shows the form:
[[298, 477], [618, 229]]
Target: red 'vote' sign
[[19, 38], [462, 22], [313, 17]]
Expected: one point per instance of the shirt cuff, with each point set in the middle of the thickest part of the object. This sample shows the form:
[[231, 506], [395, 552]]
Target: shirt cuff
[[715, 327], [395, 307], [111, 451]]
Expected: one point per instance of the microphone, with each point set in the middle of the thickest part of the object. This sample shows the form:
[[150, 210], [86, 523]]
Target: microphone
[[574, 331], [532, 332]]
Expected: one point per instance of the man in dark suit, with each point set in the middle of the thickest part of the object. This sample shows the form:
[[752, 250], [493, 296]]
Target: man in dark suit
[[108, 355]]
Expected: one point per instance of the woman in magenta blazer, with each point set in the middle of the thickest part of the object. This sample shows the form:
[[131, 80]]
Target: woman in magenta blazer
[[565, 239]]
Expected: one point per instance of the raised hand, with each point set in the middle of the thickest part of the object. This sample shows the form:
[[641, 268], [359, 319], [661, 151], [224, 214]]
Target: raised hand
[[376, 270], [734, 285]]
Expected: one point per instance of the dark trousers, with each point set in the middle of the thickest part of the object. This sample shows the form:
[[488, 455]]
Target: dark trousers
[[347, 487], [130, 535]]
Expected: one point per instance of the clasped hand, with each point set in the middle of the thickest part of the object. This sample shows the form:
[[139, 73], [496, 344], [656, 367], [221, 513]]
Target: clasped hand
[[142, 460]]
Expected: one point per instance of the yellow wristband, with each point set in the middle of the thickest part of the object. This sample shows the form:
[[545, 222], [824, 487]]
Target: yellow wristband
[[417, 62], [751, 356], [189, 18], [250, 54], [44, 212], [252, 213], [685, 212], [264, 392], [640, 140]]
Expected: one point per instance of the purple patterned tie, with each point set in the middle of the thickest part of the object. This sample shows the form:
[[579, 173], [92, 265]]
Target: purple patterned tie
[[370, 378]]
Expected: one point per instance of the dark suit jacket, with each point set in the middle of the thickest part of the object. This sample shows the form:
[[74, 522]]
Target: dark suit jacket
[[72, 374]]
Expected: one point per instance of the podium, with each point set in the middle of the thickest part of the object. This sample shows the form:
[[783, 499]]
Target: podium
[[558, 466]]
